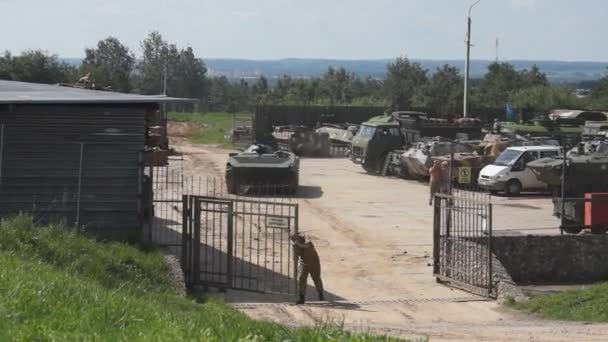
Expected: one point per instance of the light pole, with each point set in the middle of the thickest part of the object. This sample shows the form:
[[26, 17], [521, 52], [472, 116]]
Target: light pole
[[466, 67]]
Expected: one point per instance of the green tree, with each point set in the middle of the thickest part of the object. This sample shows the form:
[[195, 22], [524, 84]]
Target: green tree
[[532, 78], [336, 85], [541, 99], [6, 66], [500, 80], [36, 66], [444, 92], [159, 57], [601, 89], [183, 72], [188, 76], [404, 81], [110, 64]]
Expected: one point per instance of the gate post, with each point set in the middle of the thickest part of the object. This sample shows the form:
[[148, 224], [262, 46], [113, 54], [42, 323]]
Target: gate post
[[186, 241], [230, 251], [196, 244], [436, 232], [295, 258], [489, 244]]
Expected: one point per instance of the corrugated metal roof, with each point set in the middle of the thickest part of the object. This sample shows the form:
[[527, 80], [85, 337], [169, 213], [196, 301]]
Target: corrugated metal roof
[[12, 92]]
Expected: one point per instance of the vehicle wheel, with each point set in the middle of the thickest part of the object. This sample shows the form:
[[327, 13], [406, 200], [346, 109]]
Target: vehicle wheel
[[513, 188], [571, 230], [369, 168], [381, 163]]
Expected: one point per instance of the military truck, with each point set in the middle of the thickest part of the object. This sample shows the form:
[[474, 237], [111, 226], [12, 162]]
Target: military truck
[[375, 139], [264, 167], [383, 134]]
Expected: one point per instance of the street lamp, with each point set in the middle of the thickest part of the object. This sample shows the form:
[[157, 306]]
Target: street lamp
[[466, 76]]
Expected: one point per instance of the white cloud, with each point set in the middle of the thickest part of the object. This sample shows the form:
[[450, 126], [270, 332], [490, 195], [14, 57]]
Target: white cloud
[[524, 4]]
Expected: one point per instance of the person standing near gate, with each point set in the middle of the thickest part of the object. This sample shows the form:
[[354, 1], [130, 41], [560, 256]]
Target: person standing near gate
[[308, 263], [438, 179]]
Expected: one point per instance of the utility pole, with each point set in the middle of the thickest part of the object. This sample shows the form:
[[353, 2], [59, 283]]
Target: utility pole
[[466, 76], [497, 42]]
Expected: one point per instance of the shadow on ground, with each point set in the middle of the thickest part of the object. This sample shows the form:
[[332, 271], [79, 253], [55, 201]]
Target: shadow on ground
[[309, 192], [255, 279]]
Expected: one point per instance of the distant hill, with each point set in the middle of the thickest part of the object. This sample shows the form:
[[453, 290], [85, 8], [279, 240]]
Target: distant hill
[[557, 71]]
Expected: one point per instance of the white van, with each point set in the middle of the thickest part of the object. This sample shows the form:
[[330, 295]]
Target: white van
[[509, 173]]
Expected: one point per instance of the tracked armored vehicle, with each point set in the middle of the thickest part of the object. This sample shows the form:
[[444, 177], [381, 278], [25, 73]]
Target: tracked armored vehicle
[[261, 166]]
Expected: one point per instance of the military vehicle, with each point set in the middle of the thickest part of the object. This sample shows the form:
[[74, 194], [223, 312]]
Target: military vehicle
[[416, 161], [586, 172], [261, 165], [542, 128], [576, 117], [339, 134], [302, 141], [375, 139], [381, 135]]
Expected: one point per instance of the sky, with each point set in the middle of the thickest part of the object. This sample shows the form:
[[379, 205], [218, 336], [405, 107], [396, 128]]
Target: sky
[[572, 30]]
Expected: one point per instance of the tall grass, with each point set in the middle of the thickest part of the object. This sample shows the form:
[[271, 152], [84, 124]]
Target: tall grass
[[210, 128], [59, 285]]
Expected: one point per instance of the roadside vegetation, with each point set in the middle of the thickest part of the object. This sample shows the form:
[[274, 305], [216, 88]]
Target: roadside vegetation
[[206, 128], [58, 285], [590, 305]]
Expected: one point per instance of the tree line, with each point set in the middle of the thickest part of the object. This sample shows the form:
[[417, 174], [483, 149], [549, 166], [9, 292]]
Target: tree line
[[165, 67]]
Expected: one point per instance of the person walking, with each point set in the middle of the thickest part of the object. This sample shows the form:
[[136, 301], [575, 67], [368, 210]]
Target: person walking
[[308, 263]]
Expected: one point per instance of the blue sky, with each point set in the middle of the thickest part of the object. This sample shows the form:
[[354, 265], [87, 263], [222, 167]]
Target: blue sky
[[351, 29]]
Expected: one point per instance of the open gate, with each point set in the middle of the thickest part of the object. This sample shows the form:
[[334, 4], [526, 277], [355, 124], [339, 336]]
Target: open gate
[[237, 243], [462, 242]]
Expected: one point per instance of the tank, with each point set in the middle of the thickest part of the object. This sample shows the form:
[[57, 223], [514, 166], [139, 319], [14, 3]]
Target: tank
[[416, 161], [262, 165]]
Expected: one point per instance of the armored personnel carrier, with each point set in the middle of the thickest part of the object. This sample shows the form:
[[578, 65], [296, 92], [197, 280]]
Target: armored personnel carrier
[[416, 161], [262, 166]]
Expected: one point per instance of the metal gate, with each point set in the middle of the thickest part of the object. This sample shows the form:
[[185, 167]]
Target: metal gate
[[462, 242], [236, 243]]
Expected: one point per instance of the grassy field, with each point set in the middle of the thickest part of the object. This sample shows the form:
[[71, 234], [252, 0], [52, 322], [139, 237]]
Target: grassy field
[[590, 304], [57, 285], [210, 128]]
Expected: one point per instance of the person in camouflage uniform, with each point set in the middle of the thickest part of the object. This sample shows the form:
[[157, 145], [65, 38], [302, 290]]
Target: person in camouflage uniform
[[308, 263]]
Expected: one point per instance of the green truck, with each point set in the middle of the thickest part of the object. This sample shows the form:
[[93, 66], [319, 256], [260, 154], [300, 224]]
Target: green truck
[[386, 133]]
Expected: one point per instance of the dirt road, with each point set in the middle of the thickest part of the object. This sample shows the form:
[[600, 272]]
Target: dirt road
[[375, 240]]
